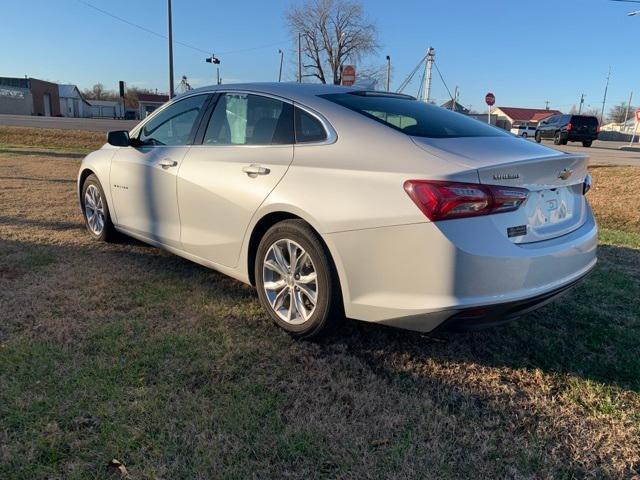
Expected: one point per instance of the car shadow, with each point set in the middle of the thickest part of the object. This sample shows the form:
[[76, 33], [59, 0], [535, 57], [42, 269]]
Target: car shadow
[[589, 333]]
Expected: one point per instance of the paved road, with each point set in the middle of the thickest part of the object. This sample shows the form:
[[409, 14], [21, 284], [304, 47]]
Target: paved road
[[90, 124], [602, 153]]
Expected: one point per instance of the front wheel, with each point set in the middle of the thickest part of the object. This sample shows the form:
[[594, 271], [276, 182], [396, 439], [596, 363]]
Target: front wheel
[[524, 135], [96, 211], [538, 137], [296, 281]]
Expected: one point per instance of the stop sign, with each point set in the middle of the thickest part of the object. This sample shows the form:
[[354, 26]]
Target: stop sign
[[348, 75], [490, 98]]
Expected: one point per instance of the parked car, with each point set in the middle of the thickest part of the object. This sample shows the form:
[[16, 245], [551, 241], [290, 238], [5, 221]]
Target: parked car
[[337, 201], [524, 130], [569, 128]]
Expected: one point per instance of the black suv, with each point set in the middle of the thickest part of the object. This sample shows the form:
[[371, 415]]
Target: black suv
[[568, 128]]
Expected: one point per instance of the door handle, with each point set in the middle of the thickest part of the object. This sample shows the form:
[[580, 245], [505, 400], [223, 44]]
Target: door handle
[[167, 162], [253, 170]]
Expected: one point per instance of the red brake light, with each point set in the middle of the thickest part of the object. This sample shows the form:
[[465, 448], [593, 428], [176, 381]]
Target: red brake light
[[442, 200], [569, 127]]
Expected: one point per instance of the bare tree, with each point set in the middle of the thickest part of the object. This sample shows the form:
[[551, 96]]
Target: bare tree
[[333, 32], [618, 113], [97, 92]]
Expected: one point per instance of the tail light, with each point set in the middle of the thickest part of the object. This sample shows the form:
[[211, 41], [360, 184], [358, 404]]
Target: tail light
[[598, 129], [586, 185], [442, 200], [569, 127]]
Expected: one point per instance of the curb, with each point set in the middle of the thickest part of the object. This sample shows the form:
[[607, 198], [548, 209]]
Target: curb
[[629, 149]]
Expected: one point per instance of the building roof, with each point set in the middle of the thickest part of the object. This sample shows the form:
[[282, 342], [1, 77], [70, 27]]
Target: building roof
[[152, 97], [458, 108], [516, 114]]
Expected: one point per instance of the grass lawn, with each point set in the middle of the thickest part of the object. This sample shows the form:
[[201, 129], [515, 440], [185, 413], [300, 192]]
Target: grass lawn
[[126, 352]]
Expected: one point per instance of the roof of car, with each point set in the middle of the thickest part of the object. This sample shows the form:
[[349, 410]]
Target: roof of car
[[290, 90]]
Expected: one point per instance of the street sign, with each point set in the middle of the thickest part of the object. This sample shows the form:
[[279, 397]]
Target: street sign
[[638, 115], [348, 75], [490, 98]]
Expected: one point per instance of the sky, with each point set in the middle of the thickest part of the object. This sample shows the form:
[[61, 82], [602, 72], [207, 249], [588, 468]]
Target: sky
[[525, 52]]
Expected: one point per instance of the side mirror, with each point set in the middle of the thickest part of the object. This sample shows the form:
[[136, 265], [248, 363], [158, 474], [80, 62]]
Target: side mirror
[[118, 138]]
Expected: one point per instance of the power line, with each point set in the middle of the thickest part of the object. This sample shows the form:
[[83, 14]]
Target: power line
[[163, 36]]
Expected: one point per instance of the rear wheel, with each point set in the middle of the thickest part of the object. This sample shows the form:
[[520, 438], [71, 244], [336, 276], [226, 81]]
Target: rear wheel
[[96, 211], [538, 137], [557, 140], [586, 143], [296, 281]]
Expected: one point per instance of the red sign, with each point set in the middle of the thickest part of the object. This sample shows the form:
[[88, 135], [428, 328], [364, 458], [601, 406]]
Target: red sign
[[348, 75], [490, 98], [638, 115]]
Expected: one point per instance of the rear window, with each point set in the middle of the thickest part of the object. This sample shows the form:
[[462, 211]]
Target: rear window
[[413, 117], [582, 120]]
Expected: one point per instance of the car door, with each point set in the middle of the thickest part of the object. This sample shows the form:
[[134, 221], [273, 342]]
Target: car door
[[245, 148], [143, 175]]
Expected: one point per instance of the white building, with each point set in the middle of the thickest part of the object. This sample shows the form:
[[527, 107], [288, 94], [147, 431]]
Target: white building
[[106, 109], [72, 103]]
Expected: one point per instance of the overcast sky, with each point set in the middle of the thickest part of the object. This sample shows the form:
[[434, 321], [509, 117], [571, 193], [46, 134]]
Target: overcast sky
[[525, 52]]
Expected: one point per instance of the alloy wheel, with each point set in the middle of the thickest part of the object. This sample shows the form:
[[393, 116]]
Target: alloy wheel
[[94, 209], [290, 281]]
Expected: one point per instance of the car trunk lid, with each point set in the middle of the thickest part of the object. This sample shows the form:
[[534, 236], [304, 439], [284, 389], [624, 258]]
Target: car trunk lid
[[555, 205]]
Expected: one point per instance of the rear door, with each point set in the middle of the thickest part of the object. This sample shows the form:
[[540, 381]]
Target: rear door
[[584, 126], [244, 149], [143, 177]]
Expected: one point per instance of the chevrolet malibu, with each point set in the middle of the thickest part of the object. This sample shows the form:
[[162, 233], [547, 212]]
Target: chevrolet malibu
[[336, 201]]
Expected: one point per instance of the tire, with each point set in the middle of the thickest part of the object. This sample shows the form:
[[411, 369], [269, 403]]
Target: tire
[[524, 135], [285, 298], [93, 199], [557, 140], [587, 143], [538, 137]]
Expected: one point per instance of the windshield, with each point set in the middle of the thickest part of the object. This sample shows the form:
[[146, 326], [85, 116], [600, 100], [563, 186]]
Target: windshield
[[413, 117], [582, 120]]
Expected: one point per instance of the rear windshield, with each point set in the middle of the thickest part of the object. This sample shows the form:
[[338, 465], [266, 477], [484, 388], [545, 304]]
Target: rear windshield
[[582, 120], [413, 117]]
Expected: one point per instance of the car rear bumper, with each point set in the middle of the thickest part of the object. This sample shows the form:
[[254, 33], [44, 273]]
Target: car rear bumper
[[417, 277], [580, 137]]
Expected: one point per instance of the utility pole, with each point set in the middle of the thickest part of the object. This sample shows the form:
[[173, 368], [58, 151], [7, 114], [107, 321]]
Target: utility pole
[[426, 90], [546, 104], [626, 113], [455, 99], [299, 57], [171, 93], [388, 73], [281, 57], [581, 103], [604, 99], [213, 60]]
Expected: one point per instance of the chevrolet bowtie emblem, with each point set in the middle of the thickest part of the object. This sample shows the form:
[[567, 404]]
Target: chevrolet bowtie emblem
[[565, 173]]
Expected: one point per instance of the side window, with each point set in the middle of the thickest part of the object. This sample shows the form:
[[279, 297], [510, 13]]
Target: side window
[[246, 119], [308, 128], [174, 124]]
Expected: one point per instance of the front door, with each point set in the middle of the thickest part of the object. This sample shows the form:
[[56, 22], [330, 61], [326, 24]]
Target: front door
[[143, 175], [246, 149]]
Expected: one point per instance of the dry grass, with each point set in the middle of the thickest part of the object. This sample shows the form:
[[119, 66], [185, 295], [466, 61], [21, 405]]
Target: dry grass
[[616, 197], [49, 138], [124, 351]]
